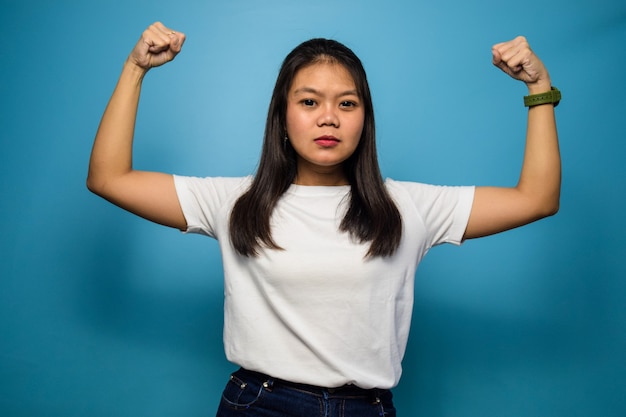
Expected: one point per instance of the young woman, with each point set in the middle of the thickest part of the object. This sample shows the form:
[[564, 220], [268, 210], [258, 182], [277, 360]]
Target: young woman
[[319, 251]]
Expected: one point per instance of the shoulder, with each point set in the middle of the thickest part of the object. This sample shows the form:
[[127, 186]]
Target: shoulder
[[217, 191], [422, 193], [213, 184], [207, 201], [412, 188], [442, 210]]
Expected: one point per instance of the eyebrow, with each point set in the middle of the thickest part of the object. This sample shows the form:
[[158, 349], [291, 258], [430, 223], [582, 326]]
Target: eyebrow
[[316, 92]]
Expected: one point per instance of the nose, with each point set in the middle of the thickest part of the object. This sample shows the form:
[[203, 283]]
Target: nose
[[328, 117]]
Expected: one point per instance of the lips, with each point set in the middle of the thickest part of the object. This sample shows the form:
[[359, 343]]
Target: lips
[[327, 141]]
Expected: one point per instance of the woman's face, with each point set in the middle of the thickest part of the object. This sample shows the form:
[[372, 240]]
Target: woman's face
[[325, 119]]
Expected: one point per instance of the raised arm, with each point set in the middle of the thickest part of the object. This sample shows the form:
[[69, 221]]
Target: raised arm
[[111, 175], [537, 192]]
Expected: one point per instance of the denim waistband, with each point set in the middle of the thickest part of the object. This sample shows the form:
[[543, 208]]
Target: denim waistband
[[349, 390]]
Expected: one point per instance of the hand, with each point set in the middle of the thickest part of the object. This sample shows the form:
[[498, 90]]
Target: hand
[[516, 59], [157, 46]]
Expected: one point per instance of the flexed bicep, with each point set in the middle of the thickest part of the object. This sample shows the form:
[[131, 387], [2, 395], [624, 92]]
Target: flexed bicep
[[497, 209], [537, 192], [111, 174]]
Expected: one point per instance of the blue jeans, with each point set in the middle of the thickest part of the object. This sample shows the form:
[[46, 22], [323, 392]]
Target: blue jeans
[[251, 394]]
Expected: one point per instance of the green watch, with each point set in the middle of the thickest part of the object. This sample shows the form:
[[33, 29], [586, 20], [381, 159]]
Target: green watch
[[550, 97]]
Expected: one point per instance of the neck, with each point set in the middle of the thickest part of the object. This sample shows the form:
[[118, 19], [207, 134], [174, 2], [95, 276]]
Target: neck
[[325, 180], [308, 174]]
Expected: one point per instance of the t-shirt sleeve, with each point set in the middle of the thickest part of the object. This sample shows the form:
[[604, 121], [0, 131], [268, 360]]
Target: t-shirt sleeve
[[444, 210], [206, 202]]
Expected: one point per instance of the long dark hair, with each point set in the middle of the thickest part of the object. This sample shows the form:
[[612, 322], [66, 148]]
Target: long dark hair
[[371, 216]]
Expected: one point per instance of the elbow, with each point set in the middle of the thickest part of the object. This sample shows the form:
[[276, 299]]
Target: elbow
[[555, 203], [93, 181], [556, 206], [552, 210], [548, 208], [90, 184], [541, 202], [99, 180], [95, 185]]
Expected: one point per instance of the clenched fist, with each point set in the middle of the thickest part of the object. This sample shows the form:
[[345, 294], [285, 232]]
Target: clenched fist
[[157, 46], [517, 60]]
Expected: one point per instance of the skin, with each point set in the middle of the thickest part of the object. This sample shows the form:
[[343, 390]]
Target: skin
[[151, 195], [317, 106], [323, 102], [537, 192]]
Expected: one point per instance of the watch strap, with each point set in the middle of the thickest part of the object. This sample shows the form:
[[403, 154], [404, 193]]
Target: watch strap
[[549, 97]]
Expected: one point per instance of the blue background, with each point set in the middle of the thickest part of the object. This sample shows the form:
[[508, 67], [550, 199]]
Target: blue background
[[105, 314]]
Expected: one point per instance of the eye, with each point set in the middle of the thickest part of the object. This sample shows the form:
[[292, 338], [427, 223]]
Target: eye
[[307, 102], [348, 104]]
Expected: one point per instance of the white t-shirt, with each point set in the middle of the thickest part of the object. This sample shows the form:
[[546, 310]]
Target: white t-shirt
[[319, 312]]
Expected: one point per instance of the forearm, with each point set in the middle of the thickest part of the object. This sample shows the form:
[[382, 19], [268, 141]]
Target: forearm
[[111, 155], [540, 178], [537, 193]]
